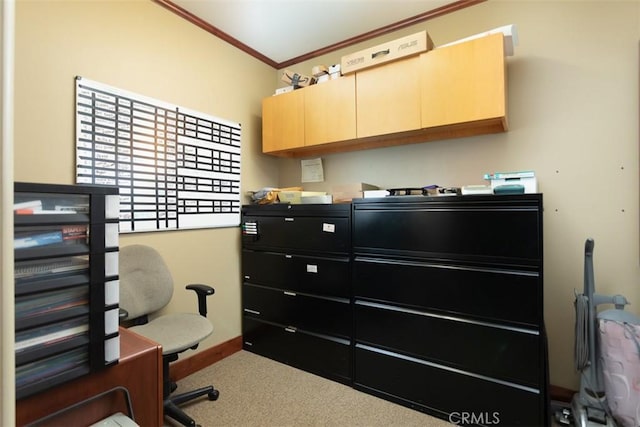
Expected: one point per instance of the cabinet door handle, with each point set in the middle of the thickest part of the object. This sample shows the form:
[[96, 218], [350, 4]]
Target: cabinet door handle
[[291, 294], [380, 53], [290, 329], [252, 311]]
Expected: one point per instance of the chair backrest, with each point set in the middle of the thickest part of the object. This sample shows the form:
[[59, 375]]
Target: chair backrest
[[146, 284]]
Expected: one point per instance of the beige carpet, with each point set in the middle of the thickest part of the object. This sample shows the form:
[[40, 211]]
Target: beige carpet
[[256, 391]]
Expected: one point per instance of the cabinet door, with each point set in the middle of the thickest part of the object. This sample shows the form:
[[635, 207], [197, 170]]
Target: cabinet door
[[283, 121], [480, 292], [509, 354], [486, 229], [464, 82], [329, 357], [388, 98], [316, 314], [330, 111], [320, 275], [290, 233], [439, 390]]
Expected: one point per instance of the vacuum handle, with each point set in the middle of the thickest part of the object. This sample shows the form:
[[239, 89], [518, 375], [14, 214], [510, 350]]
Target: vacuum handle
[[588, 247]]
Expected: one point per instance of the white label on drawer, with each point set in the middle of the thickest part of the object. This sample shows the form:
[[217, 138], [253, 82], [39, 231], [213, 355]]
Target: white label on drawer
[[312, 268], [329, 228], [111, 292], [112, 349]]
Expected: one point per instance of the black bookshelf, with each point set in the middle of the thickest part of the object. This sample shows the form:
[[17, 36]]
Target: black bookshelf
[[66, 283]]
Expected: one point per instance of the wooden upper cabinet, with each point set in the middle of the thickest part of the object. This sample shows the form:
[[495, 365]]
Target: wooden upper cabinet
[[464, 83], [449, 92], [388, 98], [330, 111], [283, 121]]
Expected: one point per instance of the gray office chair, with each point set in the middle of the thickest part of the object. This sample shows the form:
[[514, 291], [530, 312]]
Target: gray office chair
[[146, 286]]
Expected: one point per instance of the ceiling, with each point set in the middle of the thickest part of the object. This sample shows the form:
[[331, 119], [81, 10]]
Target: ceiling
[[283, 32]]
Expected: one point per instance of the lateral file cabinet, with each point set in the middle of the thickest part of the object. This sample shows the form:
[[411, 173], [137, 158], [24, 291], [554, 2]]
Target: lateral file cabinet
[[296, 286], [448, 303], [66, 283]]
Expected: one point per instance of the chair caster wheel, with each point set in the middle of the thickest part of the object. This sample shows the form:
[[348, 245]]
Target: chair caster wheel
[[213, 395]]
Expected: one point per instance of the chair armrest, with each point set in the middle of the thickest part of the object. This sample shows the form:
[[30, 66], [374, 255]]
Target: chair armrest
[[203, 291]]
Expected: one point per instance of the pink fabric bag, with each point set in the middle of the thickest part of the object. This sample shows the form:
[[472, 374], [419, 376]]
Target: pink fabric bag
[[620, 361]]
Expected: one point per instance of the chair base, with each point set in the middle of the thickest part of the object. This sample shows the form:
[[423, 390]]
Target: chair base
[[171, 402], [172, 410]]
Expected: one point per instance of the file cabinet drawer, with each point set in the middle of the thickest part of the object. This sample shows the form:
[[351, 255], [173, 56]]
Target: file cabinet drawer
[[316, 314], [464, 228], [301, 233], [508, 354], [486, 293], [443, 392], [311, 274], [325, 356]]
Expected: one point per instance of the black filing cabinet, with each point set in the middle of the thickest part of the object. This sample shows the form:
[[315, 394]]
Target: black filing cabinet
[[448, 306], [296, 291]]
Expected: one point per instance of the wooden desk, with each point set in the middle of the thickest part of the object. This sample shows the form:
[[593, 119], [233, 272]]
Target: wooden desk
[[139, 371]]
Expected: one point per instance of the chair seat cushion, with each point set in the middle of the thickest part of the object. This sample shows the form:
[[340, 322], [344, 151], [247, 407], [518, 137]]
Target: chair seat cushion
[[177, 331]]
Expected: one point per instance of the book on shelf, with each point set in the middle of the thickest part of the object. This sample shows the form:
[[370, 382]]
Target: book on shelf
[[51, 334], [39, 304], [35, 207], [30, 240], [45, 368], [29, 211], [74, 232], [66, 234], [28, 205], [41, 267], [79, 208]]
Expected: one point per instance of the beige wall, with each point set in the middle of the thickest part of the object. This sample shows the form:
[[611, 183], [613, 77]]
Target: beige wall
[[573, 113], [140, 47], [573, 105]]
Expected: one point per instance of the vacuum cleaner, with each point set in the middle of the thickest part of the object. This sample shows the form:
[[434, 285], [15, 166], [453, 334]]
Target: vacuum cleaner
[[607, 355]]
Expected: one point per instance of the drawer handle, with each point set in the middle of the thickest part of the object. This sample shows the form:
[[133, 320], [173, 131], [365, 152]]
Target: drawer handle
[[290, 329], [252, 311], [380, 53], [289, 219], [291, 294]]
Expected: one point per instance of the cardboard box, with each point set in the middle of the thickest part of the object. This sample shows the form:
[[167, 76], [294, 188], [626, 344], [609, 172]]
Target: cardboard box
[[386, 52], [353, 187], [324, 199], [347, 192], [296, 197], [285, 89], [296, 79]]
